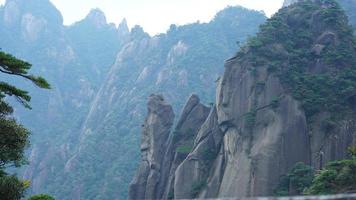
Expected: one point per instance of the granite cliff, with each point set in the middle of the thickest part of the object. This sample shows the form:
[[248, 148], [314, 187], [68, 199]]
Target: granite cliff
[[287, 96], [85, 129]]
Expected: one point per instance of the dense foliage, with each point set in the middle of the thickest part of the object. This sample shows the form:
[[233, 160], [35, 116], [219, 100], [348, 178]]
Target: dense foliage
[[14, 138], [298, 179], [311, 48], [41, 197], [336, 177], [11, 188]]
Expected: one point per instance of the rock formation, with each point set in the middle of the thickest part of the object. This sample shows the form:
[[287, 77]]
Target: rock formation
[[157, 182], [155, 133], [263, 122]]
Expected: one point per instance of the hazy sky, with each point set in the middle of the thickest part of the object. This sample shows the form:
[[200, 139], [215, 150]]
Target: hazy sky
[[155, 16]]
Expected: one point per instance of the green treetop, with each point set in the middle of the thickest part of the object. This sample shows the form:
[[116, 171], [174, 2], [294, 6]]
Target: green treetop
[[14, 138]]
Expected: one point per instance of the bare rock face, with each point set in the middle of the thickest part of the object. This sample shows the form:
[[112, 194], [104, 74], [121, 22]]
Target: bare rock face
[[181, 144], [11, 13], [193, 173], [161, 154], [32, 27], [260, 142], [155, 133]]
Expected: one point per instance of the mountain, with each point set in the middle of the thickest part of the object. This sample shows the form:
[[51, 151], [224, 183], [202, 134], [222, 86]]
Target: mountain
[[97, 43], [86, 129], [287, 96], [348, 5], [184, 60], [73, 61]]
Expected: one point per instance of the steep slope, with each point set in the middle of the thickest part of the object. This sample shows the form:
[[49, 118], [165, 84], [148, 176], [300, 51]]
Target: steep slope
[[33, 30], [97, 43], [155, 177], [183, 61], [348, 5], [287, 96]]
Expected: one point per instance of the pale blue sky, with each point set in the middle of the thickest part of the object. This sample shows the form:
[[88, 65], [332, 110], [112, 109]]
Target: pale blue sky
[[155, 16]]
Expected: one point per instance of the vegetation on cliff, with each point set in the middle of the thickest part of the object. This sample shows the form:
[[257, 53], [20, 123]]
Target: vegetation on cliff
[[318, 67], [337, 177], [298, 179], [311, 48], [41, 197], [185, 60]]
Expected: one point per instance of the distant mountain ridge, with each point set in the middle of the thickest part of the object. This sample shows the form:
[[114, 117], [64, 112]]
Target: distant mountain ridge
[[75, 66], [183, 61], [85, 130]]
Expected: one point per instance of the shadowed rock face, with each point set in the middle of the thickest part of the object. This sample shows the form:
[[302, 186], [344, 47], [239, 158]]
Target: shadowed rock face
[[264, 151], [155, 133], [248, 142], [155, 177]]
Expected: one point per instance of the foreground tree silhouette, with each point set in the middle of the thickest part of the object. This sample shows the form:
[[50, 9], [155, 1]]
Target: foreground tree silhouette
[[14, 138]]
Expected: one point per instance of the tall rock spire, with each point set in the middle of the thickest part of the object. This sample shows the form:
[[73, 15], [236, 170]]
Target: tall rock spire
[[123, 29]]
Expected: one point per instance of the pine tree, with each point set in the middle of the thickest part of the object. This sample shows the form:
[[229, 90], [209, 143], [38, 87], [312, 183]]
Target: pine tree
[[14, 138]]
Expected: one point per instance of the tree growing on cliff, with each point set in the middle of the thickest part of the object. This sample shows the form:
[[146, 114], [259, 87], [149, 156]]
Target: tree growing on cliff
[[14, 138], [336, 177], [298, 179]]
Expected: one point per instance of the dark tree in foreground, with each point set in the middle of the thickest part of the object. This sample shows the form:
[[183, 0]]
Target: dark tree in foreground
[[14, 138]]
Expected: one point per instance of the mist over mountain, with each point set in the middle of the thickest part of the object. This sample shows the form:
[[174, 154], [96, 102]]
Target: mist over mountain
[[74, 59], [247, 123], [185, 60], [86, 130]]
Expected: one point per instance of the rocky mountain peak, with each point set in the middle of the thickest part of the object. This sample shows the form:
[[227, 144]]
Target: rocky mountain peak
[[97, 17], [233, 13], [289, 2], [123, 29], [137, 32], [155, 133], [31, 18], [14, 10], [11, 12]]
